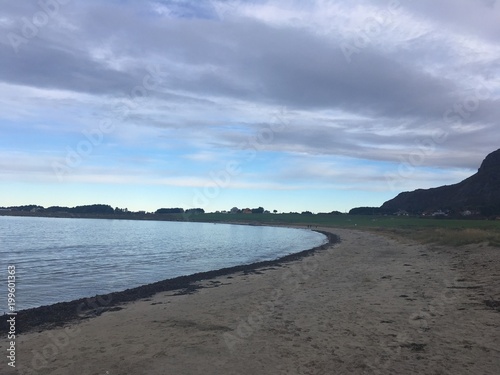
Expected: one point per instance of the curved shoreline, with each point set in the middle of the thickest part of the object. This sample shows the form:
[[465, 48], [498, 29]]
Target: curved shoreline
[[46, 317]]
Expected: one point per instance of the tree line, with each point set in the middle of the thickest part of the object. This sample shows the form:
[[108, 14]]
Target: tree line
[[105, 209], [95, 209]]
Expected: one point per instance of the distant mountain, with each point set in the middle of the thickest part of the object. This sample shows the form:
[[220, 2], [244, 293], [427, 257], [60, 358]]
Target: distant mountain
[[480, 192]]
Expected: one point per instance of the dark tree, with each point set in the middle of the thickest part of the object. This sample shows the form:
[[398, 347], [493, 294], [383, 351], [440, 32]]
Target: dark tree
[[371, 211], [27, 208], [259, 210], [94, 209], [195, 211], [163, 211], [57, 209]]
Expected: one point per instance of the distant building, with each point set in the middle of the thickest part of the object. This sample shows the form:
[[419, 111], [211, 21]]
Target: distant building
[[401, 213]]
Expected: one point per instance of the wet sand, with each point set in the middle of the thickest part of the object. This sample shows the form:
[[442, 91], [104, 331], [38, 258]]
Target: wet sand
[[368, 305]]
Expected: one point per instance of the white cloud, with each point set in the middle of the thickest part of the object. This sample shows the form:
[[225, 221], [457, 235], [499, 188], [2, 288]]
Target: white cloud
[[226, 70]]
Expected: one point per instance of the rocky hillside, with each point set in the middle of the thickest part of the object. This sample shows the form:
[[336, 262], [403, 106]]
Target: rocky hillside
[[480, 192]]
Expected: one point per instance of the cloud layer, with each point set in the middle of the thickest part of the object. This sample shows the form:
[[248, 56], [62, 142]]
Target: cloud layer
[[360, 91]]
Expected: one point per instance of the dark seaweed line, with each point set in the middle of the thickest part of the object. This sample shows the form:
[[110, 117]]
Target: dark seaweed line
[[45, 317]]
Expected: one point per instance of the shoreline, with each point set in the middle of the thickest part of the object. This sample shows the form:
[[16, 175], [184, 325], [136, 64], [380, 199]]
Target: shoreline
[[369, 304], [58, 314]]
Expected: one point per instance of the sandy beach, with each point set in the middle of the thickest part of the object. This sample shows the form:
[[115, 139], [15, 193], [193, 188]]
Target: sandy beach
[[368, 305]]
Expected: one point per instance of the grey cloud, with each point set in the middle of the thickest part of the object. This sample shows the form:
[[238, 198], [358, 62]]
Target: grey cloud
[[260, 63], [49, 67], [205, 61], [476, 17]]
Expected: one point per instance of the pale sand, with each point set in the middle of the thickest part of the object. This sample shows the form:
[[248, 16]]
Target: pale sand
[[340, 311]]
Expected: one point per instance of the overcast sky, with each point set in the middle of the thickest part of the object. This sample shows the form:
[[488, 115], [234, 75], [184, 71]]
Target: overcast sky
[[314, 105]]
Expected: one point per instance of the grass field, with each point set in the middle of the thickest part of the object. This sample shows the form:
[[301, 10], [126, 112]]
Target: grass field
[[425, 230]]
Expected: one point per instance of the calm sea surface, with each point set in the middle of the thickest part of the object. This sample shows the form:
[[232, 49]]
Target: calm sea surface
[[65, 259]]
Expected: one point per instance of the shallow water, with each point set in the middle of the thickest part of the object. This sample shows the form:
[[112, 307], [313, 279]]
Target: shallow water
[[65, 259]]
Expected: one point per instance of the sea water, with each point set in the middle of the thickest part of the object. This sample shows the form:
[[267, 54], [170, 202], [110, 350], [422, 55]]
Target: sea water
[[60, 259]]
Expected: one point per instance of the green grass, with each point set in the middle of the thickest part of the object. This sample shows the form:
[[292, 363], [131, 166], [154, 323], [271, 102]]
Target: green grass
[[447, 236], [425, 230]]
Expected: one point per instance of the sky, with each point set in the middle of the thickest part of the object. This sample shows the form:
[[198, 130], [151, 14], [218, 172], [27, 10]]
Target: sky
[[316, 105]]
